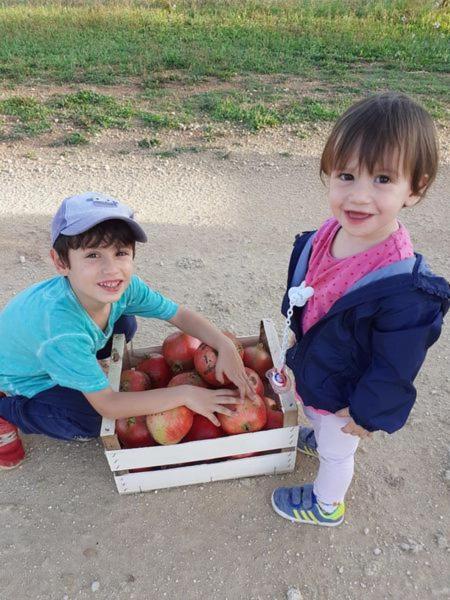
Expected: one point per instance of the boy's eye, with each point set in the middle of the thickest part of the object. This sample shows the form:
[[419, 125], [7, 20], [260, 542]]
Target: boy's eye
[[123, 253], [92, 255], [345, 176], [383, 179]]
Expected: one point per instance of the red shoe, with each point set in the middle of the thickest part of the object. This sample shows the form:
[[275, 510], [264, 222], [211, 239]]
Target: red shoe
[[11, 448]]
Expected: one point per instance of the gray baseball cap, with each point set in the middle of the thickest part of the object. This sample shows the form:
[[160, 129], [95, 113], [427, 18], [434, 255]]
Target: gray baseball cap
[[79, 213]]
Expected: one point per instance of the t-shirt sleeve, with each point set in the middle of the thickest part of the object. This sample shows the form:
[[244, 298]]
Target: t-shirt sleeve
[[142, 301], [70, 361]]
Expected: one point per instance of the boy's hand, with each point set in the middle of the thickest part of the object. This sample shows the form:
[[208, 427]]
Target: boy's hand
[[352, 428], [207, 402], [230, 363]]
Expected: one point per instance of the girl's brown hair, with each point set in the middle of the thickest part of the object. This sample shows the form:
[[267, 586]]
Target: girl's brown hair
[[384, 128]]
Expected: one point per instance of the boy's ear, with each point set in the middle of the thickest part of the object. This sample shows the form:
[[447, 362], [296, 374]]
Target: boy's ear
[[415, 198], [60, 266]]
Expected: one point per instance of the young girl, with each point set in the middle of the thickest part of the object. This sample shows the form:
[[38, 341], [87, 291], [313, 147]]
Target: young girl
[[376, 309]]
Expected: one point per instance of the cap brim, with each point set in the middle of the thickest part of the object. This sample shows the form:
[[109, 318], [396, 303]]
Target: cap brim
[[139, 233]]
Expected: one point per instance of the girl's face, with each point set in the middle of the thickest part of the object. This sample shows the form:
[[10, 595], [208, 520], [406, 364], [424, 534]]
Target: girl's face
[[367, 204]]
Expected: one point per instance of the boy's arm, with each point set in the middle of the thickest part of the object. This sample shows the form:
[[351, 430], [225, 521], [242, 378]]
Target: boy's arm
[[117, 405], [228, 362]]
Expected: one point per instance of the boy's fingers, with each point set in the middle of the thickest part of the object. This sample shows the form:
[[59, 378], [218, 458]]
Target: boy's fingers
[[226, 400], [223, 410], [219, 375], [214, 420]]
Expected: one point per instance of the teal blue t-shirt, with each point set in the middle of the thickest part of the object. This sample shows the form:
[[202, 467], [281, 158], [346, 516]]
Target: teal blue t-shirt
[[48, 338]]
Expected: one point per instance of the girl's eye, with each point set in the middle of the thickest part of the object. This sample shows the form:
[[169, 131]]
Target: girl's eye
[[345, 176], [383, 179]]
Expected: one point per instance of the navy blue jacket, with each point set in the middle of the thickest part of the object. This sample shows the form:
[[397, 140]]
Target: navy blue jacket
[[367, 350]]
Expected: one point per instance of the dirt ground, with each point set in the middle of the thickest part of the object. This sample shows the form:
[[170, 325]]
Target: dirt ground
[[221, 223]]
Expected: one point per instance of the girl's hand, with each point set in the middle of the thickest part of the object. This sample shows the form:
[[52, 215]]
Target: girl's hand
[[229, 363], [352, 428], [207, 402]]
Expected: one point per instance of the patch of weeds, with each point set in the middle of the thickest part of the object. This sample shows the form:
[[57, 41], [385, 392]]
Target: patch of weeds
[[30, 155], [149, 143], [176, 151], [159, 121], [309, 109], [31, 114], [224, 155], [93, 111], [75, 139], [285, 154], [234, 107]]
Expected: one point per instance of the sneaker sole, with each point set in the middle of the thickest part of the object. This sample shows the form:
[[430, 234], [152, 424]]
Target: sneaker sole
[[293, 520]]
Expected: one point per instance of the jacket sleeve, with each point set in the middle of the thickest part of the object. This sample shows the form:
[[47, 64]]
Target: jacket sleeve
[[385, 394]]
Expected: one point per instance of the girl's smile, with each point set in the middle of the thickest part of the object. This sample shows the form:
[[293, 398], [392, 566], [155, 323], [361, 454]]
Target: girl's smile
[[367, 204]]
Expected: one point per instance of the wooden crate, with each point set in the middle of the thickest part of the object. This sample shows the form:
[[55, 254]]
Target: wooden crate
[[278, 445]]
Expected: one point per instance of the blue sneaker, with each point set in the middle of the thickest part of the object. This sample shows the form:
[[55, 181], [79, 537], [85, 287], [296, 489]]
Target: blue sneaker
[[299, 505], [306, 442]]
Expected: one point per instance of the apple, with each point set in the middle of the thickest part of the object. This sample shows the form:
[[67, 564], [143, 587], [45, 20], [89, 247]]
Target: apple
[[133, 433], [170, 426], [274, 419], [203, 429], [251, 415], [132, 380]]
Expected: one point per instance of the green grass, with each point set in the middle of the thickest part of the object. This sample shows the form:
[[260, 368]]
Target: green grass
[[103, 42], [251, 63]]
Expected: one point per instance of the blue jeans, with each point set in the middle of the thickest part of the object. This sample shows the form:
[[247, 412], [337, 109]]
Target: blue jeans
[[60, 412]]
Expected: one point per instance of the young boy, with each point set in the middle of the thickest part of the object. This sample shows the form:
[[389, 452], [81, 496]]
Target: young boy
[[54, 332]]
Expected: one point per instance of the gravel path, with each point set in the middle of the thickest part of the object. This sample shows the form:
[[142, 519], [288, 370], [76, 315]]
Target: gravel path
[[220, 223]]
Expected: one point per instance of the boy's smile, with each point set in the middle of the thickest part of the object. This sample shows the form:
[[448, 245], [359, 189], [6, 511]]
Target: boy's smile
[[98, 276]]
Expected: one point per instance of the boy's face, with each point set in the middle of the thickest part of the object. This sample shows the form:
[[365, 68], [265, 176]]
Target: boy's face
[[367, 204], [98, 276]]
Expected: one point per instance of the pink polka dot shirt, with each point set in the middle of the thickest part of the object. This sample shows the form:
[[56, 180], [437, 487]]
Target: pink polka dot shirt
[[331, 277]]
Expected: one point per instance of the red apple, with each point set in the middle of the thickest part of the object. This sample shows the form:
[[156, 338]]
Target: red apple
[[251, 415], [170, 426], [133, 433], [133, 380], [178, 349], [157, 369], [258, 359], [255, 380], [188, 378], [203, 429], [271, 403], [205, 360], [274, 419]]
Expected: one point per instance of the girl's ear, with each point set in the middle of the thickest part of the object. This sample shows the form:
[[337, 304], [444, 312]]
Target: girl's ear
[[415, 198], [60, 266]]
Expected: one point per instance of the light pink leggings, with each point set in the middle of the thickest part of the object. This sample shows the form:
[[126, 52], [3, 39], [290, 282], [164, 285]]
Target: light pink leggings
[[336, 453]]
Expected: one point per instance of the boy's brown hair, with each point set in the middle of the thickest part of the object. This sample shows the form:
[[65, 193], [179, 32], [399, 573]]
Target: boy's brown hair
[[386, 127], [113, 232]]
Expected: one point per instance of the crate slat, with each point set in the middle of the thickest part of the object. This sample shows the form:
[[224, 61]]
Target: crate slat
[[259, 441], [269, 464]]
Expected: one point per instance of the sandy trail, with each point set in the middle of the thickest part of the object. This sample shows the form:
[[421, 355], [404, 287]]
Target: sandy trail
[[220, 232]]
